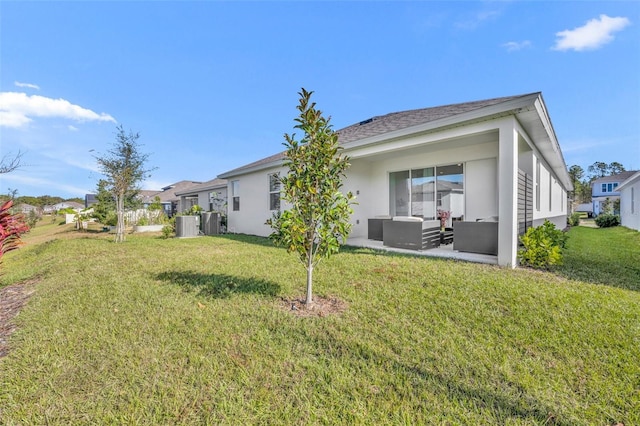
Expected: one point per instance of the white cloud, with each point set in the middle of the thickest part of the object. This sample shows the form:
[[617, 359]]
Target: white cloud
[[16, 109], [592, 35], [72, 128], [13, 119], [27, 85], [513, 46]]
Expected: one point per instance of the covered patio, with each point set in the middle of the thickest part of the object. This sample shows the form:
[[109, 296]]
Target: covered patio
[[443, 251]]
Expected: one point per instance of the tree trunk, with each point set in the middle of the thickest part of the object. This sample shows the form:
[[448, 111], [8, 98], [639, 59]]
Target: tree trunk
[[120, 214], [309, 300]]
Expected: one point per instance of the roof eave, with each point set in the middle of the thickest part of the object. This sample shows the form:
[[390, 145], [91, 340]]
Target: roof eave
[[628, 182], [256, 168], [204, 188], [557, 159]]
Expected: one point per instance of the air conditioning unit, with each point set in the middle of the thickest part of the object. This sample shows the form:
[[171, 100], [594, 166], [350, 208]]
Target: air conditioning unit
[[210, 223], [187, 226]]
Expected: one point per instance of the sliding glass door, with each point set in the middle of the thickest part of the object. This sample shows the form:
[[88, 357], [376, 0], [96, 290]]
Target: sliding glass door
[[422, 192]]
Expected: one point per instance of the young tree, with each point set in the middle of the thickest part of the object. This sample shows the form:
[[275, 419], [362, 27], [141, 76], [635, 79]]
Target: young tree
[[124, 168], [105, 203], [318, 221]]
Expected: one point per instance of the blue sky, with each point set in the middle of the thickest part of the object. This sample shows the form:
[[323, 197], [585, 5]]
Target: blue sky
[[211, 86]]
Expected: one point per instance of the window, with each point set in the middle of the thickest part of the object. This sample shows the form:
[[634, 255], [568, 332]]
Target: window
[[538, 185], [550, 191], [421, 192], [609, 187], [235, 194], [214, 201], [274, 191]]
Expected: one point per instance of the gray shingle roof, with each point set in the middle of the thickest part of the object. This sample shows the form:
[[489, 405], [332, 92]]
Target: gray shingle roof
[[205, 186], [168, 193], [620, 177], [382, 124], [401, 120]]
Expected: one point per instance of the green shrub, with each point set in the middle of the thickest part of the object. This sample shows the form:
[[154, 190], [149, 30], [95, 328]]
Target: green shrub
[[167, 231], [194, 210], [67, 210], [542, 246], [143, 221], [32, 219], [574, 219], [112, 219], [607, 220]]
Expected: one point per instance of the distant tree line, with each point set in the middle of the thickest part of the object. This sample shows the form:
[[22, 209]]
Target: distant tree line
[[582, 181], [41, 201]]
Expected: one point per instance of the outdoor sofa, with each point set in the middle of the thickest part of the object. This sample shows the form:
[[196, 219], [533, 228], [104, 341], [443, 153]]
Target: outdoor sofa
[[411, 233]]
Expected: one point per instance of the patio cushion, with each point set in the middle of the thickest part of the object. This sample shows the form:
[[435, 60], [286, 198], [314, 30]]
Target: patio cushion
[[407, 219]]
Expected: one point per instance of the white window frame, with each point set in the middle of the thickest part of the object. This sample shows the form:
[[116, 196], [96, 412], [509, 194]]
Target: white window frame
[[235, 195], [274, 191], [537, 185]]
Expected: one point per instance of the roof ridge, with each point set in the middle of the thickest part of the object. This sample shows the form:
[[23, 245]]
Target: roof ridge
[[478, 101]]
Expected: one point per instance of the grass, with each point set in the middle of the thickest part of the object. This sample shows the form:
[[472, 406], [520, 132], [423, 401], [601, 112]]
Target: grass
[[608, 256], [192, 331]]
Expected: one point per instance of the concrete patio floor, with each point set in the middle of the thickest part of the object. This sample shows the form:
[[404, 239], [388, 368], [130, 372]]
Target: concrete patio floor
[[444, 251]]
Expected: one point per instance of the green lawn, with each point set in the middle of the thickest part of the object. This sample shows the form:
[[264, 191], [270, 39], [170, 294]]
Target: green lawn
[[193, 331]]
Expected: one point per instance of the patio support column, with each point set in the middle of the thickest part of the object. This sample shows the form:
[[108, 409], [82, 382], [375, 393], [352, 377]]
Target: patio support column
[[508, 193]]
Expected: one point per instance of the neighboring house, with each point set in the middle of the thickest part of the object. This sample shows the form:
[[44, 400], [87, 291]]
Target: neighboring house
[[210, 195], [497, 159], [629, 204], [168, 198], [606, 188]]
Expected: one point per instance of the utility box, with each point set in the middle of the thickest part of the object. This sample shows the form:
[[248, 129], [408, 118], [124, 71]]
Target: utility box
[[210, 223], [187, 226]]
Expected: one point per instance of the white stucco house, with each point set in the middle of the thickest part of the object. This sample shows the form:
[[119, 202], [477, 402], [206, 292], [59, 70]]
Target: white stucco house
[[606, 189], [629, 205], [494, 160], [210, 195]]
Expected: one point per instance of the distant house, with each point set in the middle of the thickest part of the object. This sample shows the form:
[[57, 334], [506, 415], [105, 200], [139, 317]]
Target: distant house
[[64, 205], [494, 164], [629, 204], [210, 195], [605, 189], [26, 208], [48, 209]]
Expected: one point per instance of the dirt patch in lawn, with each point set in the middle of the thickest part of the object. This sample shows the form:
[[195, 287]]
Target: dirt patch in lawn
[[321, 306], [12, 299]]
